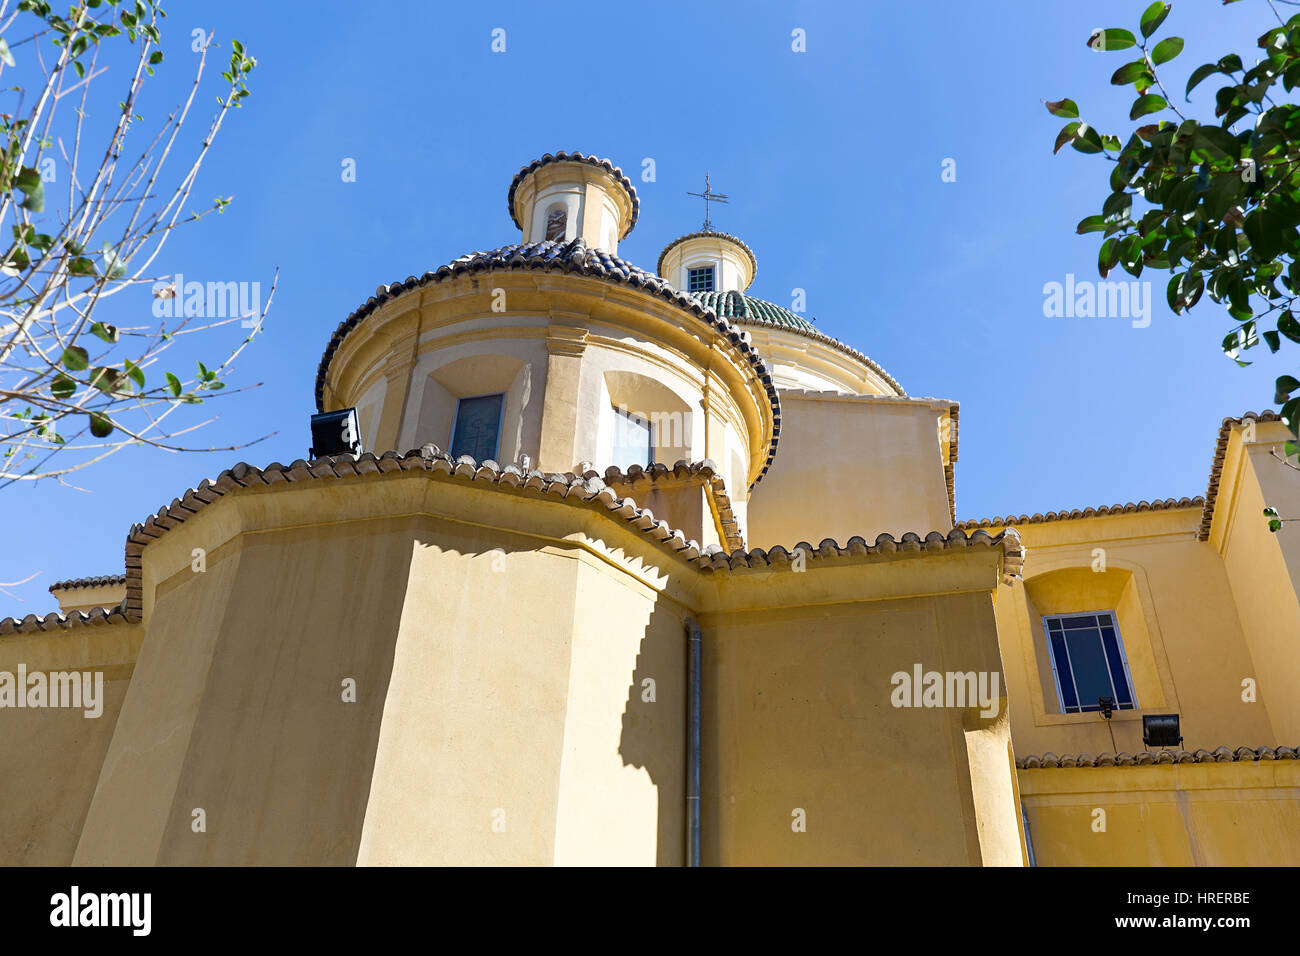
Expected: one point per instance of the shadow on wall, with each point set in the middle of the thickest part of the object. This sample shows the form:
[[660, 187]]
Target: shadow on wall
[[654, 726], [278, 758]]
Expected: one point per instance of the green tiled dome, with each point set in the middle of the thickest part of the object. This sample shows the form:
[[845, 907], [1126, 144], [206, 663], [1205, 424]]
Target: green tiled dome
[[745, 308]]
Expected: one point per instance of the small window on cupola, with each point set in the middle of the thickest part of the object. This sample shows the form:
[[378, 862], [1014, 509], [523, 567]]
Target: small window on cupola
[[557, 222], [699, 280]]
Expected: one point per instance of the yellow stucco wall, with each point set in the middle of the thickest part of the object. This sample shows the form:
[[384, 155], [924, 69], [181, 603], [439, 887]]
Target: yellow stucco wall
[[520, 694], [798, 717], [851, 466], [1177, 619], [1203, 814], [50, 759], [1262, 567]]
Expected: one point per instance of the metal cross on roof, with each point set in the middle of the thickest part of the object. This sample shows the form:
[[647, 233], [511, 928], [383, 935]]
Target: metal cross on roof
[[708, 196]]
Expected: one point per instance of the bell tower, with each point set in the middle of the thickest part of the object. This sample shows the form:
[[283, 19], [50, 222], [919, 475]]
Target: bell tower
[[566, 196]]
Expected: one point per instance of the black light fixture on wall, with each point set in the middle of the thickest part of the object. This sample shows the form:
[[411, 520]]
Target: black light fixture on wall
[[1107, 707], [335, 433], [1161, 730]]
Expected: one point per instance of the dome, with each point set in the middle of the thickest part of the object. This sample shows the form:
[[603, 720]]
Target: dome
[[746, 308], [710, 234]]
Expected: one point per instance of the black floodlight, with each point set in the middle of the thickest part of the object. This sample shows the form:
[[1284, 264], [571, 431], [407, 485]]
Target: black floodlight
[[335, 433], [1161, 730], [1106, 705]]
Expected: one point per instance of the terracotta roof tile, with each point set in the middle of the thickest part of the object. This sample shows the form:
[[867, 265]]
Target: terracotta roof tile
[[103, 580], [573, 257], [581, 490], [1205, 503], [561, 156], [1146, 758], [707, 469], [1166, 504], [1216, 466]]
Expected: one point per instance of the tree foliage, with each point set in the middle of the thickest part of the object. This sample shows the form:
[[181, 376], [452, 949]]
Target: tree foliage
[[1215, 201], [69, 381]]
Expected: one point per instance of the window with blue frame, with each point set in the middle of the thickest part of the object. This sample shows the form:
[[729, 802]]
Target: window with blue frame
[[1088, 661], [634, 439], [478, 427], [699, 280]]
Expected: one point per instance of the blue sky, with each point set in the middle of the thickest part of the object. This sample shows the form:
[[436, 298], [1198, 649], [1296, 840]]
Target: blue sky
[[833, 159]]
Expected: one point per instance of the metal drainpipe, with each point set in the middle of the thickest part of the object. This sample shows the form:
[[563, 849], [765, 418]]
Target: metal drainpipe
[[694, 711], [1029, 838]]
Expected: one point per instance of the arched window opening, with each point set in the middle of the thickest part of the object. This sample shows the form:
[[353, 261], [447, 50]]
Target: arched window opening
[[557, 222]]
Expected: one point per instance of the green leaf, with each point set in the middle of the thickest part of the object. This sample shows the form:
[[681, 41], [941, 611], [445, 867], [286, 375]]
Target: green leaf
[[1217, 142], [110, 381], [1118, 205], [114, 264], [106, 332], [155, 57], [1091, 224], [1153, 17], [1148, 103], [1199, 74], [1283, 388], [81, 266], [1065, 135], [1107, 256], [134, 372], [1067, 108], [1087, 140], [1111, 39], [1290, 415], [173, 383], [29, 181], [1166, 50], [5, 55], [100, 425], [62, 387], [1129, 72], [1288, 326], [75, 358]]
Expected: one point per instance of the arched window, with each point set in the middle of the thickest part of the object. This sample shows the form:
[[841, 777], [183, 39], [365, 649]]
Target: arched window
[[557, 222]]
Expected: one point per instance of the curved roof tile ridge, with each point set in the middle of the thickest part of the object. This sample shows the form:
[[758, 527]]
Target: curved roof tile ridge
[[753, 309], [708, 234], [707, 468], [1216, 464], [560, 156], [577, 489], [1145, 758], [1159, 504], [94, 581], [575, 258]]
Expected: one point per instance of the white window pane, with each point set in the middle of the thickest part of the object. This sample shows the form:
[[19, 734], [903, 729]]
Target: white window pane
[[633, 439]]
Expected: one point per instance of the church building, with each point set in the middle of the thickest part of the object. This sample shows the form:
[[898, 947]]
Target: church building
[[591, 564]]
